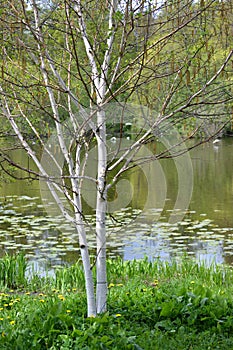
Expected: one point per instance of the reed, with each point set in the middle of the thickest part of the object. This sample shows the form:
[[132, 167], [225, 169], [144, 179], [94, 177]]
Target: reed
[[13, 271]]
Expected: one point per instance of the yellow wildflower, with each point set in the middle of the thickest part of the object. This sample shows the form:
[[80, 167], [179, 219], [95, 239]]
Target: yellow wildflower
[[12, 322], [118, 315]]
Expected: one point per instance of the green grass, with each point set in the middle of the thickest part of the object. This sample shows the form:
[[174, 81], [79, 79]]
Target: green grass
[[153, 306]]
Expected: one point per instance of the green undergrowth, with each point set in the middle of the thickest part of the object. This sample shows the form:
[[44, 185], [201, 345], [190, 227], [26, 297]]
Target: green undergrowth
[[178, 305]]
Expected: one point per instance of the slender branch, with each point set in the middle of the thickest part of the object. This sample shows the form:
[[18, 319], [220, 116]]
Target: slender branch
[[155, 44], [31, 153], [110, 41], [200, 91], [82, 25]]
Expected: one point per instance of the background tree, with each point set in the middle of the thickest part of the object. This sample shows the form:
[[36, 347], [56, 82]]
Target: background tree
[[63, 62]]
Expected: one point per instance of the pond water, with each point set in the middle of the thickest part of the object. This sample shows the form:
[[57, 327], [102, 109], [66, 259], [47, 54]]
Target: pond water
[[205, 232]]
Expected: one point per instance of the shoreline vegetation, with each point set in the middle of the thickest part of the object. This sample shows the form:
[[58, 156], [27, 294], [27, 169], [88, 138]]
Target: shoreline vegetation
[[152, 305]]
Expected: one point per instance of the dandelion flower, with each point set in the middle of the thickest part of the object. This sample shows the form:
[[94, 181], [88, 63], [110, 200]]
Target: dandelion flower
[[1, 318], [12, 322], [42, 300], [111, 285], [68, 311], [118, 315]]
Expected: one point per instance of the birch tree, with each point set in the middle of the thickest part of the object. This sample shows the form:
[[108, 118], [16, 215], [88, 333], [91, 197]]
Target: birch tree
[[64, 62]]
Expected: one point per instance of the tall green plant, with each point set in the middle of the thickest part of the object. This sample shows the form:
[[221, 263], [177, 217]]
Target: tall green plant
[[13, 271]]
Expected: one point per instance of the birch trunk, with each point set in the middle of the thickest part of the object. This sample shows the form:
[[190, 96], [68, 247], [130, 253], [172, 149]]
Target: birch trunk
[[89, 284], [80, 227], [99, 82], [101, 206]]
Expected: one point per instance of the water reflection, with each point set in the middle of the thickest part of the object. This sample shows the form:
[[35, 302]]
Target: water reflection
[[166, 251], [168, 241]]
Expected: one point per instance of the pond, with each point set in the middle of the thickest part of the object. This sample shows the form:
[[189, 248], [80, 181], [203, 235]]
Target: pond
[[205, 232]]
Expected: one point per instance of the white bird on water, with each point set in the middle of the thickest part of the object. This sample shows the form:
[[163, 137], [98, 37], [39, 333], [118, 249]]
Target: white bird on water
[[216, 141]]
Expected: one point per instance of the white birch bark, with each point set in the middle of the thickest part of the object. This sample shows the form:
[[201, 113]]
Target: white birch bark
[[101, 207], [100, 86], [73, 172], [101, 202]]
